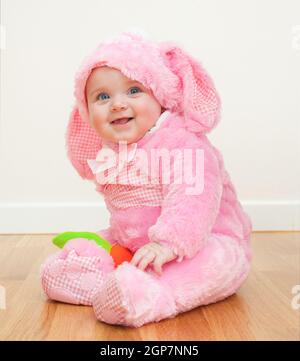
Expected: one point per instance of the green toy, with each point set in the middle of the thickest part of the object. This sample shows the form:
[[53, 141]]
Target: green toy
[[61, 239]]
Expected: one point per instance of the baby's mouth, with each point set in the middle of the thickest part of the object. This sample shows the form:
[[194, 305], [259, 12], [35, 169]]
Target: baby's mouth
[[121, 121]]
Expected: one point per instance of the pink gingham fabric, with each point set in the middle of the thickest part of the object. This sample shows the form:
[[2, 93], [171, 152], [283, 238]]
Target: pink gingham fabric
[[74, 279], [110, 303], [82, 143], [132, 196], [129, 192]]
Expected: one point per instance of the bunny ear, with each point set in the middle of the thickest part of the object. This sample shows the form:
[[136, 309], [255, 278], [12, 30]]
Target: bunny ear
[[82, 143], [200, 104]]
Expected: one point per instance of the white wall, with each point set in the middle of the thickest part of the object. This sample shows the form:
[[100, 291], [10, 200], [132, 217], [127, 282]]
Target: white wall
[[251, 49]]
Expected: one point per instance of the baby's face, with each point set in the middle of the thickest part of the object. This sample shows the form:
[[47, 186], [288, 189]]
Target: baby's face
[[110, 96]]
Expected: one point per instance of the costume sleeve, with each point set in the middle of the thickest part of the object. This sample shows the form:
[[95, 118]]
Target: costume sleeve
[[186, 219]]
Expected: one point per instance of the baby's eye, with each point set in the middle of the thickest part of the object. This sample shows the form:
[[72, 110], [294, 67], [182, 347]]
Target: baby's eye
[[101, 96], [134, 90]]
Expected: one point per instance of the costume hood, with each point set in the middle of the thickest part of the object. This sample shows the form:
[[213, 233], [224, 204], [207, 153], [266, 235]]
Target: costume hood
[[179, 83]]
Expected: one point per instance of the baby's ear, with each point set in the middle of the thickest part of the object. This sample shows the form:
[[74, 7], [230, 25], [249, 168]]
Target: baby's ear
[[82, 143], [200, 103]]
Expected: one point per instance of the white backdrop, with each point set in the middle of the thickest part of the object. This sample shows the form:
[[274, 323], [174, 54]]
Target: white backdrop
[[250, 48]]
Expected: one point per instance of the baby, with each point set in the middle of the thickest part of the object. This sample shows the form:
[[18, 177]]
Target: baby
[[137, 102]]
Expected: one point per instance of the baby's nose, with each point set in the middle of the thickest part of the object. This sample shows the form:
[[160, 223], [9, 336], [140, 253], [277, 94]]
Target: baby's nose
[[119, 106]]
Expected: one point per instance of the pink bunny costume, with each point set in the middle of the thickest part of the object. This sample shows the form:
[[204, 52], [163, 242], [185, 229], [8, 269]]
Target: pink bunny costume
[[207, 230]]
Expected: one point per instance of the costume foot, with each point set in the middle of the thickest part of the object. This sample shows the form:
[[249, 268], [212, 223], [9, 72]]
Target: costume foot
[[71, 278], [132, 297]]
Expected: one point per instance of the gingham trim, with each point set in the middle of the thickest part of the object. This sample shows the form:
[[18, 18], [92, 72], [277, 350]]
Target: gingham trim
[[133, 190], [79, 277], [109, 304]]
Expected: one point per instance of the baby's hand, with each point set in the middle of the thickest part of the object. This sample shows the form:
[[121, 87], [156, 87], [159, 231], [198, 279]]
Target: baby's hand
[[154, 253]]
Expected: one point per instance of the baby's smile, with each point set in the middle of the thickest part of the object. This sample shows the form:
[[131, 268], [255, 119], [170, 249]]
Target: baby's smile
[[121, 121]]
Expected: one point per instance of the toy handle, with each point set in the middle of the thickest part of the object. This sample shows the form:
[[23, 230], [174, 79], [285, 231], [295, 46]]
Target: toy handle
[[61, 239]]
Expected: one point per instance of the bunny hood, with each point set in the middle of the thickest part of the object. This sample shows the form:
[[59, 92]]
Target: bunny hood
[[178, 82]]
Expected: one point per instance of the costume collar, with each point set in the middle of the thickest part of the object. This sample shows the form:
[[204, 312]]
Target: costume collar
[[159, 122]]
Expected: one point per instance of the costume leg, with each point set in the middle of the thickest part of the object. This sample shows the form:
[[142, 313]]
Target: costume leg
[[75, 273], [214, 274], [132, 297]]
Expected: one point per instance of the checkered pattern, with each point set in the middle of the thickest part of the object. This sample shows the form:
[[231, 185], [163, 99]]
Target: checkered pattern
[[110, 304], [74, 279], [133, 190], [82, 143], [129, 196], [204, 99]]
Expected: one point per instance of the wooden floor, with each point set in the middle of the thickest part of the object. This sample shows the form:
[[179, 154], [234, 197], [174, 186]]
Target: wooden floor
[[261, 309]]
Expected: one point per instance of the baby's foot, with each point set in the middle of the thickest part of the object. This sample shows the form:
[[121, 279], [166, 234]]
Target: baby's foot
[[133, 298], [72, 278]]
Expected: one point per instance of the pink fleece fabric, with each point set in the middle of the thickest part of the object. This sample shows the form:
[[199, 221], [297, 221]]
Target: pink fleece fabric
[[210, 232]]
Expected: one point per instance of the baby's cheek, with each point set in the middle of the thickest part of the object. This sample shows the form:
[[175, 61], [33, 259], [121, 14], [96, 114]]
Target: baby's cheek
[[102, 128]]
